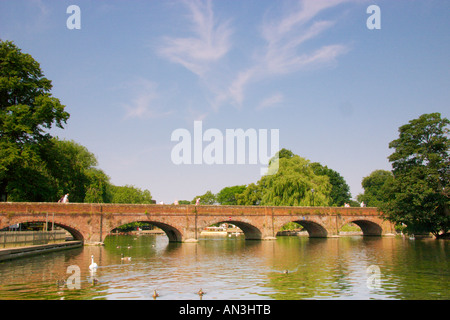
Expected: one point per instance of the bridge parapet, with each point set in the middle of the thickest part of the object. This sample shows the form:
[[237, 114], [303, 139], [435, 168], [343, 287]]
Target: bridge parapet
[[40, 207]]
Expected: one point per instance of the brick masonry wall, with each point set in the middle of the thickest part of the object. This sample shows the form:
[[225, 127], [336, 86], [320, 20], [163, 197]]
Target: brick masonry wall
[[92, 222]]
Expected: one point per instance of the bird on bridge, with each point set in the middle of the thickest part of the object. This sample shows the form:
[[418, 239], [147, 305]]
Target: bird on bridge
[[93, 266]]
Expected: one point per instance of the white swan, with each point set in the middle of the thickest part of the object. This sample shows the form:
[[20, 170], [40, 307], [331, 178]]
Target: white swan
[[93, 266]]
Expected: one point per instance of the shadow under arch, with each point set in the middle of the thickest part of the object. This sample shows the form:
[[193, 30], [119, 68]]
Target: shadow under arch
[[172, 233], [74, 232], [314, 229], [368, 228], [77, 235], [250, 232]]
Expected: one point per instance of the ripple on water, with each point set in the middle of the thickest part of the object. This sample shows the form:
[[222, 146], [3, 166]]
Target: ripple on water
[[237, 269]]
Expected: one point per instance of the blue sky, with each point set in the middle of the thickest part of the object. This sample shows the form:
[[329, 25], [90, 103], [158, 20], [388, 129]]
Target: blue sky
[[138, 70]]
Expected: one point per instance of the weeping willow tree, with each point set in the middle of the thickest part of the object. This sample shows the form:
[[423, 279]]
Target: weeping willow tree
[[295, 184], [290, 181]]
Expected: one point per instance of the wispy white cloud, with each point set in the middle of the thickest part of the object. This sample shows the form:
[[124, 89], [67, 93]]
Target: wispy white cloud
[[283, 52], [287, 48], [39, 17], [237, 87], [303, 12], [144, 103], [42, 7], [271, 101], [195, 115], [211, 40]]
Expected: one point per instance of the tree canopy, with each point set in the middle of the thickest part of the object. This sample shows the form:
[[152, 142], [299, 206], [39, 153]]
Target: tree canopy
[[228, 195], [208, 198], [419, 192], [297, 182], [340, 191], [375, 188], [251, 196], [27, 112], [34, 166], [130, 194]]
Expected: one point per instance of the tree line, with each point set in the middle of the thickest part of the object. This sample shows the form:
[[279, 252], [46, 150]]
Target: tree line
[[414, 195], [298, 182], [34, 166]]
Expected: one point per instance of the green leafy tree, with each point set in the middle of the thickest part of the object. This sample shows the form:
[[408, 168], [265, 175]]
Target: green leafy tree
[[74, 171], [31, 182], [375, 188], [208, 198], [99, 187], [419, 192], [130, 194], [251, 196], [285, 153], [228, 195], [295, 184], [73, 167], [295, 181], [27, 112], [340, 191]]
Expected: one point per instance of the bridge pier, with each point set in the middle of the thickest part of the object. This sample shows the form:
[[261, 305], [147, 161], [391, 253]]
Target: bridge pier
[[94, 239], [269, 238], [190, 236]]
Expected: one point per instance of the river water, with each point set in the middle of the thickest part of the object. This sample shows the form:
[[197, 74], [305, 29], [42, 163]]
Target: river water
[[227, 268]]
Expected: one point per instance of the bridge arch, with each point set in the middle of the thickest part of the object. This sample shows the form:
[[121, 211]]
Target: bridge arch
[[76, 234], [315, 230], [369, 228], [172, 233], [250, 231]]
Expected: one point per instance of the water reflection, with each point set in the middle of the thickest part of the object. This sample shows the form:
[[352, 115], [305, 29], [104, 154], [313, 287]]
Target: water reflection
[[233, 268]]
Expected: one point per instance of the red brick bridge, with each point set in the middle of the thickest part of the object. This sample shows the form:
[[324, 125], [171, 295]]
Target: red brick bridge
[[183, 223]]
